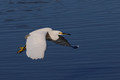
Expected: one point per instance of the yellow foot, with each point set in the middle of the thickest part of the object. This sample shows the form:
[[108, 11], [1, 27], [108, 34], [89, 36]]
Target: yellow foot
[[21, 49]]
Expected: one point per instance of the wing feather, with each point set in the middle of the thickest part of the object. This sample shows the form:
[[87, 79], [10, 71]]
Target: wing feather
[[61, 40], [36, 45]]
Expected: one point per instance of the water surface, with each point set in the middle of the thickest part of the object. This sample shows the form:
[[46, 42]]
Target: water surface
[[94, 25]]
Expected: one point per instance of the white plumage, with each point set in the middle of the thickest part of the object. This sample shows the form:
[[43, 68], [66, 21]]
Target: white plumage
[[36, 42]]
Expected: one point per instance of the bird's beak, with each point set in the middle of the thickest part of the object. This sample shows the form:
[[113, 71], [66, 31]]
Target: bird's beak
[[66, 34], [61, 33]]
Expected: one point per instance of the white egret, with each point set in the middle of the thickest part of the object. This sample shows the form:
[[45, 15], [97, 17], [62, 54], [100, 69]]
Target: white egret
[[36, 42]]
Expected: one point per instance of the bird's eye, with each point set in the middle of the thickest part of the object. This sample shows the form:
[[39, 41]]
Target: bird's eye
[[60, 33]]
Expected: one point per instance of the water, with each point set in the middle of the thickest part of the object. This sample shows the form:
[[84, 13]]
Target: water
[[94, 25]]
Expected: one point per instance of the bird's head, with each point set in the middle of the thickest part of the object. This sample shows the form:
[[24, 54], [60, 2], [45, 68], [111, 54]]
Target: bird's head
[[55, 34], [61, 33]]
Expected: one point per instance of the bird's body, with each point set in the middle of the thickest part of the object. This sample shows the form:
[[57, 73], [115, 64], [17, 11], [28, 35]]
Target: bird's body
[[36, 42]]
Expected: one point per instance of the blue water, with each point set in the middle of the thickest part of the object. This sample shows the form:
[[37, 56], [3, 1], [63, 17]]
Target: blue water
[[94, 25]]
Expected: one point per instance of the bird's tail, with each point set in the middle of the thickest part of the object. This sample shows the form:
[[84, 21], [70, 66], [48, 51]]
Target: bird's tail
[[75, 47], [21, 49]]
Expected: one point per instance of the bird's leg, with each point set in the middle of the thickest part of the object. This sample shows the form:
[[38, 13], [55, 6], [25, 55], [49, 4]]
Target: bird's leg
[[21, 49]]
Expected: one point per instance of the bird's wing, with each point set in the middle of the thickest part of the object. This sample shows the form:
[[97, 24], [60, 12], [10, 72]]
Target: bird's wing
[[61, 40], [36, 45]]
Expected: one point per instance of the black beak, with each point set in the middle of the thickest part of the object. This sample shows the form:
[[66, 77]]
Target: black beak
[[66, 34]]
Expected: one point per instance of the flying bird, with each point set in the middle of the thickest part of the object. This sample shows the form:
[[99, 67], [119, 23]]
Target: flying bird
[[36, 42]]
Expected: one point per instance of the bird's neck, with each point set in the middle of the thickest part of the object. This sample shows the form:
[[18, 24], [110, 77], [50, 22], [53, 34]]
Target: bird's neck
[[53, 36]]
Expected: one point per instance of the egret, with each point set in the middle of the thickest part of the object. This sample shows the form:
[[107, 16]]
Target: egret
[[36, 42]]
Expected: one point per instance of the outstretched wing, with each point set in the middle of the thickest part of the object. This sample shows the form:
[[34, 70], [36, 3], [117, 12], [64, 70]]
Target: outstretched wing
[[61, 40], [36, 45]]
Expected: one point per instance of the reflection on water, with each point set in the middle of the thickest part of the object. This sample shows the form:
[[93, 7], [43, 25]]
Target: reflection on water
[[94, 25]]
